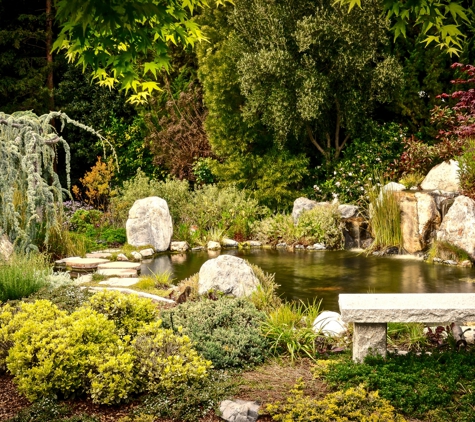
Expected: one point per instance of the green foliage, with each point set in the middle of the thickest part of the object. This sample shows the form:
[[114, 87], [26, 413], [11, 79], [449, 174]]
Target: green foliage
[[320, 83], [361, 159], [166, 360], [435, 387], [265, 297], [447, 251], [112, 46], [189, 403], [129, 312], [30, 187], [22, 275], [67, 297], [385, 218], [467, 168], [225, 331], [247, 156], [412, 180], [321, 224], [407, 336], [289, 329], [354, 404], [440, 22], [49, 410], [52, 353]]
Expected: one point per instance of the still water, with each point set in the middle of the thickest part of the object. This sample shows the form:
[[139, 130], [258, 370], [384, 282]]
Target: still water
[[324, 274]]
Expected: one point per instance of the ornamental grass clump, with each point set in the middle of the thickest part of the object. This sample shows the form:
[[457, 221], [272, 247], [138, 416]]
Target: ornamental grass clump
[[384, 218], [22, 275], [289, 329]]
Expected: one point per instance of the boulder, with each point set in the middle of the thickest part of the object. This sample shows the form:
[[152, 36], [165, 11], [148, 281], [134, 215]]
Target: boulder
[[444, 177], [147, 253], [136, 255], [179, 246], [393, 187], [228, 274], [122, 257], [6, 248], [213, 246], [348, 211], [330, 324], [239, 410], [150, 223], [458, 226], [419, 218], [304, 204], [229, 243]]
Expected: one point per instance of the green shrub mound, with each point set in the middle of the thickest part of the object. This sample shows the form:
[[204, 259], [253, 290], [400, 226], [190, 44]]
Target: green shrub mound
[[319, 225], [353, 404], [52, 353], [436, 387], [226, 331]]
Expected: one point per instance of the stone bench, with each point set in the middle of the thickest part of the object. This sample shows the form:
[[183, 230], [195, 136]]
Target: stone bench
[[370, 314]]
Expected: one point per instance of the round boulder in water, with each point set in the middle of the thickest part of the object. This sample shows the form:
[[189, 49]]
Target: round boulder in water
[[228, 274]]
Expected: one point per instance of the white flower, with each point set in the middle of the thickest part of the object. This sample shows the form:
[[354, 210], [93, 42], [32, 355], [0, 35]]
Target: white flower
[[350, 174], [334, 172], [361, 188], [338, 184]]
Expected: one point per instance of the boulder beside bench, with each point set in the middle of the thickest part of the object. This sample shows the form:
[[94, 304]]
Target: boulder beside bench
[[370, 314]]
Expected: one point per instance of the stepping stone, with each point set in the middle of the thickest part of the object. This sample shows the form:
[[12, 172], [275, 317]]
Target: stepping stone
[[119, 265], [104, 255], [120, 282], [118, 272], [78, 264]]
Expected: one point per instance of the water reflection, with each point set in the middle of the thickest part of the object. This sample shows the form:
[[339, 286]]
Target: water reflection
[[322, 274]]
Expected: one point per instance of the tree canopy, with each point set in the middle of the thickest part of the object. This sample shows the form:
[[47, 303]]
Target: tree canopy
[[440, 20], [126, 42]]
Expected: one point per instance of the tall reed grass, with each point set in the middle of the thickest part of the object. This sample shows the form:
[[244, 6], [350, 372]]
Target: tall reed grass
[[23, 275], [385, 219]]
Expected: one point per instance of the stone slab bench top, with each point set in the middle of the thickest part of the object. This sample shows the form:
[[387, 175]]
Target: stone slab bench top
[[406, 307]]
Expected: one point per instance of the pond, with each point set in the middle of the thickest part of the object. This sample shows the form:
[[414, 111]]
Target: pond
[[325, 274]]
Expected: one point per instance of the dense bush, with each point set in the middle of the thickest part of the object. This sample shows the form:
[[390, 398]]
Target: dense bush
[[321, 224], [225, 331], [428, 387], [52, 353], [353, 404], [467, 168], [129, 312], [67, 297]]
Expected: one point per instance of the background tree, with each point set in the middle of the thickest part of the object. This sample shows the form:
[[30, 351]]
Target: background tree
[[312, 72]]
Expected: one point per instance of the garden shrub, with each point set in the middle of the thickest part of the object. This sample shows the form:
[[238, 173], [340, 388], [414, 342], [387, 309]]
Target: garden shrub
[[166, 360], [189, 402], [265, 297], [49, 410], [129, 312], [65, 297], [353, 404], [225, 331], [322, 225], [55, 354], [435, 387]]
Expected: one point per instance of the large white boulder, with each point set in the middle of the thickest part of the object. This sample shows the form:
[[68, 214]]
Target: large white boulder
[[150, 223], [458, 225], [228, 274], [444, 177], [330, 324], [304, 204]]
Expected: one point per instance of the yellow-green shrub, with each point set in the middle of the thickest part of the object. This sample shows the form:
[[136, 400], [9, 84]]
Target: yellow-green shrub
[[54, 356], [166, 360], [353, 404], [129, 312]]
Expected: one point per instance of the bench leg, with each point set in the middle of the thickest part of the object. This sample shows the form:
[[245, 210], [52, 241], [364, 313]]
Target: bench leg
[[369, 339]]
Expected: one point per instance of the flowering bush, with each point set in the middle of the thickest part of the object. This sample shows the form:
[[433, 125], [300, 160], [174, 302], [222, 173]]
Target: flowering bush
[[363, 158]]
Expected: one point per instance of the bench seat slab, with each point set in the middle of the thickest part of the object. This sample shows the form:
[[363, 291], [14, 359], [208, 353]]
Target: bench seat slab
[[406, 307]]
